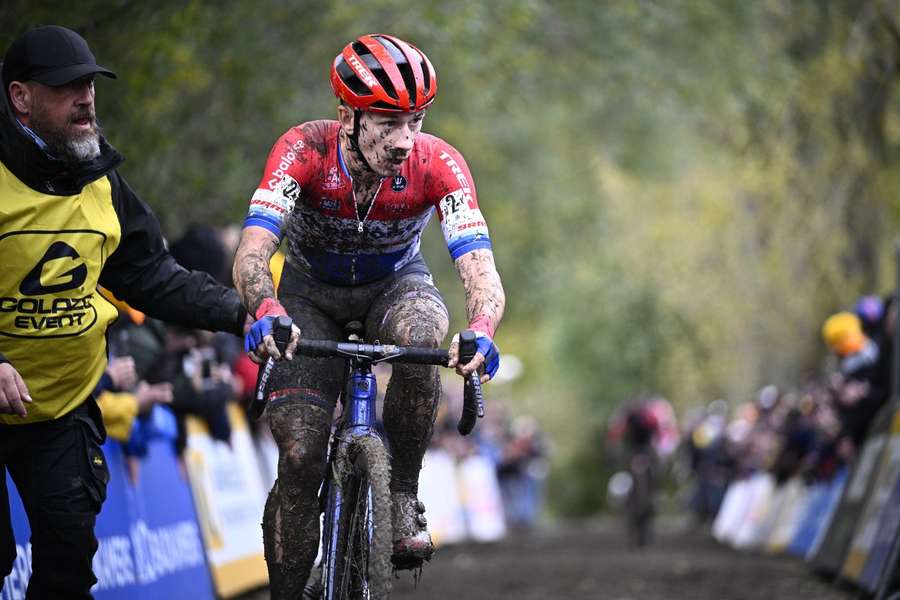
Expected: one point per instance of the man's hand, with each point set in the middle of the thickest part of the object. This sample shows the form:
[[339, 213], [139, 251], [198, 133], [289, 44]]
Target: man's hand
[[122, 372], [149, 395], [486, 361], [259, 343], [13, 392]]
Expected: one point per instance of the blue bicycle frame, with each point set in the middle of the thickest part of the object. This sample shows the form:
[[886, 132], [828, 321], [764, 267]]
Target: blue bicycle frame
[[358, 421]]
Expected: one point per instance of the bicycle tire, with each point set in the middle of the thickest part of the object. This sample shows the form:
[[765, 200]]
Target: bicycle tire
[[363, 568], [640, 508]]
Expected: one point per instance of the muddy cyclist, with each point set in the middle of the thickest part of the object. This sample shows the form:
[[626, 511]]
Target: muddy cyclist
[[351, 198]]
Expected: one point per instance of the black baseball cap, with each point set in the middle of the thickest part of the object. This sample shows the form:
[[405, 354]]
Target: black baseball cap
[[51, 55]]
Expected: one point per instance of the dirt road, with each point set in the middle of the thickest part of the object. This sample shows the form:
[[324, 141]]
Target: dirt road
[[589, 561]]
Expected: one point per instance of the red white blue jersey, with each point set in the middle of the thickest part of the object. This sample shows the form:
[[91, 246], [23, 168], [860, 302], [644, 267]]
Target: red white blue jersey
[[306, 195]]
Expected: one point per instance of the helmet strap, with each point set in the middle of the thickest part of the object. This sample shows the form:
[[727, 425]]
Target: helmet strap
[[354, 141]]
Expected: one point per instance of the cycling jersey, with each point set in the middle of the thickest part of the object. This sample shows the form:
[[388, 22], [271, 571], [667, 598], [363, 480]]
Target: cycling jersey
[[306, 195]]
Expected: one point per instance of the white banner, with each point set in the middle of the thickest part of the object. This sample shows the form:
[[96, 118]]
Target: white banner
[[230, 496]]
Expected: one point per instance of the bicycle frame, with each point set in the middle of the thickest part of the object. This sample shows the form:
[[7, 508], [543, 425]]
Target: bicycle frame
[[358, 420], [357, 424]]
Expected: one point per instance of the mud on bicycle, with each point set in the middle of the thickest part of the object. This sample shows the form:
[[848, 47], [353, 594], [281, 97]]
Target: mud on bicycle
[[355, 499]]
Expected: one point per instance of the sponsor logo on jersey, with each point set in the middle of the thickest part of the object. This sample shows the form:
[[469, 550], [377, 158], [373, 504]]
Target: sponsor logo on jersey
[[459, 219], [287, 159], [276, 202], [330, 203], [398, 183], [333, 180], [460, 177]]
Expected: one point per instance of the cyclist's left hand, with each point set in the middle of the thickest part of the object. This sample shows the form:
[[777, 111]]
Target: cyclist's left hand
[[486, 361]]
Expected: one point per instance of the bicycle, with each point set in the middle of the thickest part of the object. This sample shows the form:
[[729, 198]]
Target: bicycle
[[357, 533], [640, 508]]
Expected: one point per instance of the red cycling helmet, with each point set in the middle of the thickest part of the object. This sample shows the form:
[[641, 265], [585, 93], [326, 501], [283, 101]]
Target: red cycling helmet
[[384, 74]]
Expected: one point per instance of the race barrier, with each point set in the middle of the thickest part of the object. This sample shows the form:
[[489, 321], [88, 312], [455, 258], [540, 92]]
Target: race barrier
[[833, 550], [877, 526], [463, 498], [150, 544], [191, 530], [822, 501], [228, 489], [847, 528]]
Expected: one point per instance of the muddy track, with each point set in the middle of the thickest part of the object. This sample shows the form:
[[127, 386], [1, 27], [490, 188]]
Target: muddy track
[[591, 561]]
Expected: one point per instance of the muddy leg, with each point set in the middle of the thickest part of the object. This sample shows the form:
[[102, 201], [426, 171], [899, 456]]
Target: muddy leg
[[291, 518], [415, 316], [302, 394]]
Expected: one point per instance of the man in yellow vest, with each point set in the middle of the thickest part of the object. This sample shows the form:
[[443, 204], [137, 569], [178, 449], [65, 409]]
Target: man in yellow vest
[[68, 223]]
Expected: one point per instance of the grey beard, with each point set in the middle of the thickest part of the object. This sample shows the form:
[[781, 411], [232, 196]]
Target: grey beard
[[85, 148], [71, 149]]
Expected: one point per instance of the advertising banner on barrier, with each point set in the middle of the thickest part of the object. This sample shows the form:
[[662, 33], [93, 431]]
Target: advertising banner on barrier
[[440, 494], [886, 537], [150, 544], [877, 501], [480, 494], [229, 495], [752, 528], [734, 506], [832, 551], [795, 499], [823, 500]]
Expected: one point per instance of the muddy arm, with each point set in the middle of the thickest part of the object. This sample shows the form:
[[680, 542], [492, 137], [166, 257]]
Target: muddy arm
[[485, 299], [252, 277]]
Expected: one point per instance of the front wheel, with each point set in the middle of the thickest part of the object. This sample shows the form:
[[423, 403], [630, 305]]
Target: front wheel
[[362, 562]]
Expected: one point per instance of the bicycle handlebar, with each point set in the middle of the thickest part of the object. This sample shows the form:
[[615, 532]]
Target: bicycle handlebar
[[374, 352], [281, 331], [473, 400]]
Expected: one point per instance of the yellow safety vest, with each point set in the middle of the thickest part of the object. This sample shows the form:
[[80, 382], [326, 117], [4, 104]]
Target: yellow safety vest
[[52, 319]]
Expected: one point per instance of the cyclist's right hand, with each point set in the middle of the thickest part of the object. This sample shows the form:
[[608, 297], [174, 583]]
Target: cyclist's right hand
[[259, 343], [13, 392]]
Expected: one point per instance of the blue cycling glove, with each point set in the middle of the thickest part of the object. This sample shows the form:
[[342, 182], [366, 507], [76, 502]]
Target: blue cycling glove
[[269, 310], [491, 353], [258, 331]]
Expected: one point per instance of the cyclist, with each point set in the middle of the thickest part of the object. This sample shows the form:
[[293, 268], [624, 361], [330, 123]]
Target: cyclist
[[641, 428], [352, 197]]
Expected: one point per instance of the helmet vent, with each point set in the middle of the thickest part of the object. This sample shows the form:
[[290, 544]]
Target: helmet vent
[[409, 80], [353, 82], [377, 70], [426, 78]]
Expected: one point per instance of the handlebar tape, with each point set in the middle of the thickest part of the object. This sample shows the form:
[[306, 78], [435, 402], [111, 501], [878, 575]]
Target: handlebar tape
[[473, 401], [281, 331]]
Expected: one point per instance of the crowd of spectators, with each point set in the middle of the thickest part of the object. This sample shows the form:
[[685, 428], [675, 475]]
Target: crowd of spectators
[[515, 445], [811, 432], [160, 373]]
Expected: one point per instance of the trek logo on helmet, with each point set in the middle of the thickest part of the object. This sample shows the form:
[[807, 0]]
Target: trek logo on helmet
[[362, 72]]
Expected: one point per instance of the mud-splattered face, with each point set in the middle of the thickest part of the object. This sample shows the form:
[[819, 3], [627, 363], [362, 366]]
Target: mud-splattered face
[[387, 139]]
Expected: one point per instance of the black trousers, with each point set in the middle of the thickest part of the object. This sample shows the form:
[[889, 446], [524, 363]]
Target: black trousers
[[60, 473]]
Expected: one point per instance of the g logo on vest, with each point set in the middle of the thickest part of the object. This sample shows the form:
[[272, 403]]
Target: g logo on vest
[[32, 285]]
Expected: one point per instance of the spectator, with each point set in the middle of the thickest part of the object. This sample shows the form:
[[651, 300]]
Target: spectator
[[55, 164]]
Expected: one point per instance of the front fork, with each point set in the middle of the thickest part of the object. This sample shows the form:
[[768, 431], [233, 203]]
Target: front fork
[[358, 420]]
